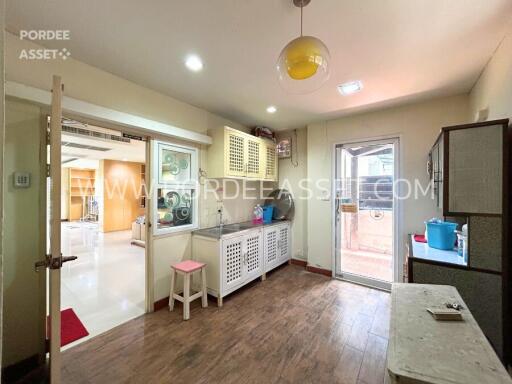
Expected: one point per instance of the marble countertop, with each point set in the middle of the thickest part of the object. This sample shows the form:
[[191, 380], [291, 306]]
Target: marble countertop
[[423, 251], [424, 350]]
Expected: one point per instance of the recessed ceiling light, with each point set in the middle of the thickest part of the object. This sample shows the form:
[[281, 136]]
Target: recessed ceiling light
[[194, 63], [271, 109], [350, 87]]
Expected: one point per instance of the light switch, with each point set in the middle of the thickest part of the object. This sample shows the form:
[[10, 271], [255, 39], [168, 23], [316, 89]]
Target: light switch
[[21, 179]]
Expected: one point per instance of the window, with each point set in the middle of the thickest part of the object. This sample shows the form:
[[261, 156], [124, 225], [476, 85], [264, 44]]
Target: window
[[175, 191]]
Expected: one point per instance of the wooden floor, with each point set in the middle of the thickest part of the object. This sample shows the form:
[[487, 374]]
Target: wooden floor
[[295, 327]]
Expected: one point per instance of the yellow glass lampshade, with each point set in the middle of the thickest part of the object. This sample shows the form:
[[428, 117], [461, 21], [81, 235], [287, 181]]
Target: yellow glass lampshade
[[303, 65]]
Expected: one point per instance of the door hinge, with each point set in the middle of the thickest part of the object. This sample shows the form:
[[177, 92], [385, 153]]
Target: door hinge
[[48, 170], [48, 137]]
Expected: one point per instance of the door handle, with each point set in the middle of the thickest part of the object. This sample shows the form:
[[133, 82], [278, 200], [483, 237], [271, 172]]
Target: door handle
[[53, 263]]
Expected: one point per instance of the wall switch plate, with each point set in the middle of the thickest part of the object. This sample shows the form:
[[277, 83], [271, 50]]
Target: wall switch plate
[[21, 179]]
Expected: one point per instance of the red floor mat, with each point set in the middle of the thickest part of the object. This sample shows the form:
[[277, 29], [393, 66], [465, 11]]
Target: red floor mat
[[71, 328]]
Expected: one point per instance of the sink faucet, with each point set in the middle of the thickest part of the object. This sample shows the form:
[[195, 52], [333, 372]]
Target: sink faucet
[[221, 223]]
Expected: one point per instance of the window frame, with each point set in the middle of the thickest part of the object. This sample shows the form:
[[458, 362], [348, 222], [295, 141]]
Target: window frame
[[159, 183]]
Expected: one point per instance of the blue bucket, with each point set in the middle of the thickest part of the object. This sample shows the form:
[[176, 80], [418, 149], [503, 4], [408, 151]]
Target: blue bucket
[[441, 235], [268, 210]]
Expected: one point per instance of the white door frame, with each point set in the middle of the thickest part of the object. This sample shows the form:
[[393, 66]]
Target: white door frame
[[397, 214]]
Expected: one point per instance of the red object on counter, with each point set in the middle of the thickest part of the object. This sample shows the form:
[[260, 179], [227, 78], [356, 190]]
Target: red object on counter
[[420, 238]]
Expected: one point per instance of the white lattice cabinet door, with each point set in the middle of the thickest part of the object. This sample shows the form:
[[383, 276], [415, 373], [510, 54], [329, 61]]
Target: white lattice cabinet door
[[284, 243], [232, 263], [271, 251], [254, 162], [236, 164], [253, 260], [270, 157]]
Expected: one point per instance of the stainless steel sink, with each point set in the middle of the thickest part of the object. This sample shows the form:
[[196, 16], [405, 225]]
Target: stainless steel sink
[[216, 232]]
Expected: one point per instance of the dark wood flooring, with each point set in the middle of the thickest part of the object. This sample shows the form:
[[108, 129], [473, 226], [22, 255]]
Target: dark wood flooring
[[295, 327]]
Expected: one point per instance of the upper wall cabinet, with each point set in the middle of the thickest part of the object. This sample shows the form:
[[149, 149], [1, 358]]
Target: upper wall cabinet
[[236, 154], [470, 169]]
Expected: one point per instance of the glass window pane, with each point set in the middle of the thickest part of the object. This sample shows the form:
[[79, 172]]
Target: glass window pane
[[175, 207], [174, 166]]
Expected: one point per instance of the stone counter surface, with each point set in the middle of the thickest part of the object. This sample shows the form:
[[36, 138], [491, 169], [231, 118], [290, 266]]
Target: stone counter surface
[[423, 350]]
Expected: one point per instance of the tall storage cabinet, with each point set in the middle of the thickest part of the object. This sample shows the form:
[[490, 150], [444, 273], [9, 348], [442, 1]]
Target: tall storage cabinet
[[236, 154], [470, 167]]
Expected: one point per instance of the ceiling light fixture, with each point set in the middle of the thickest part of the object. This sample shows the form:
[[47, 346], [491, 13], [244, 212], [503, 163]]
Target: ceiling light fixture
[[271, 109], [350, 87], [194, 63], [303, 65]]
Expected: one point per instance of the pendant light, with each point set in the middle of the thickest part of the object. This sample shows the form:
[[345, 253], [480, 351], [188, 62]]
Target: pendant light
[[303, 65]]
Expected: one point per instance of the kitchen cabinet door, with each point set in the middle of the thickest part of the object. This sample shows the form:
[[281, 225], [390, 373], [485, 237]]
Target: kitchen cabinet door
[[270, 162], [284, 243], [235, 144], [253, 159], [253, 256], [271, 251], [232, 263]]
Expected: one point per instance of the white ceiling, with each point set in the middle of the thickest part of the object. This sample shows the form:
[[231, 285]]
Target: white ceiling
[[402, 50]]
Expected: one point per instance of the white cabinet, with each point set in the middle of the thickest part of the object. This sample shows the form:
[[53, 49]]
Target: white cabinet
[[276, 240], [238, 258], [236, 154], [232, 263]]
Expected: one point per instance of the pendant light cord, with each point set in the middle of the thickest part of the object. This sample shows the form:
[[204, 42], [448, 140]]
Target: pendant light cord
[[301, 13]]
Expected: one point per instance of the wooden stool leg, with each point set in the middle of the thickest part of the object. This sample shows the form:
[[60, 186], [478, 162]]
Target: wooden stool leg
[[171, 293], [186, 296], [203, 287]]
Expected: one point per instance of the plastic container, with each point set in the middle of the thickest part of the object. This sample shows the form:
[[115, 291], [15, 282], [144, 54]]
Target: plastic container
[[441, 234], [268, 210], [257, 215]]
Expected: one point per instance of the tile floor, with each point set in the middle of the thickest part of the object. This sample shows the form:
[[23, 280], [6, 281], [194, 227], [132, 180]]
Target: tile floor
[[105, 286]]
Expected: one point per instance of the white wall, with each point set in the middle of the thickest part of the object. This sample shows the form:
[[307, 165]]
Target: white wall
[[493, 89], [290, 176], [417, 125]]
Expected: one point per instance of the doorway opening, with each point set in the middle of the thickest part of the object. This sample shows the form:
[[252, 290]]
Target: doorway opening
[[365, 212], [103, 211]]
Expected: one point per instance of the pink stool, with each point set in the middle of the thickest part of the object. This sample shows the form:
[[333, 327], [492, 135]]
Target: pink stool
[[186, 268]]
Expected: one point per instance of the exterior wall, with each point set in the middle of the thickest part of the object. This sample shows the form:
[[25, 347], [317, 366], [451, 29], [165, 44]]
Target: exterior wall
[[417, 126], [493, 89]]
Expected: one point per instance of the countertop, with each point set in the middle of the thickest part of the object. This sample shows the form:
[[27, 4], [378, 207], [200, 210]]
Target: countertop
[[229, 229], [423, 350], [423, 251]]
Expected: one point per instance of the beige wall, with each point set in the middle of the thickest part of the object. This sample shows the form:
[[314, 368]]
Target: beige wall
[[417, 125], [24, 290], [493, 91], [87, 83], [290, 175]]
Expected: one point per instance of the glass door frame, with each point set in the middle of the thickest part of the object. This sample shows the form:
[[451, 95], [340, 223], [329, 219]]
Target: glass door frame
[[397, 215]]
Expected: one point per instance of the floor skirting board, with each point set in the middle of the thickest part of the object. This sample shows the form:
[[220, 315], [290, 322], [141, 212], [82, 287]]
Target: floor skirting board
[[309, 268]]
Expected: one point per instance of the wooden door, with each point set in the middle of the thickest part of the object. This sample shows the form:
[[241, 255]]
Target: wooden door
[[270, 240], [253, 256], [235, 144], [232, 263]]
